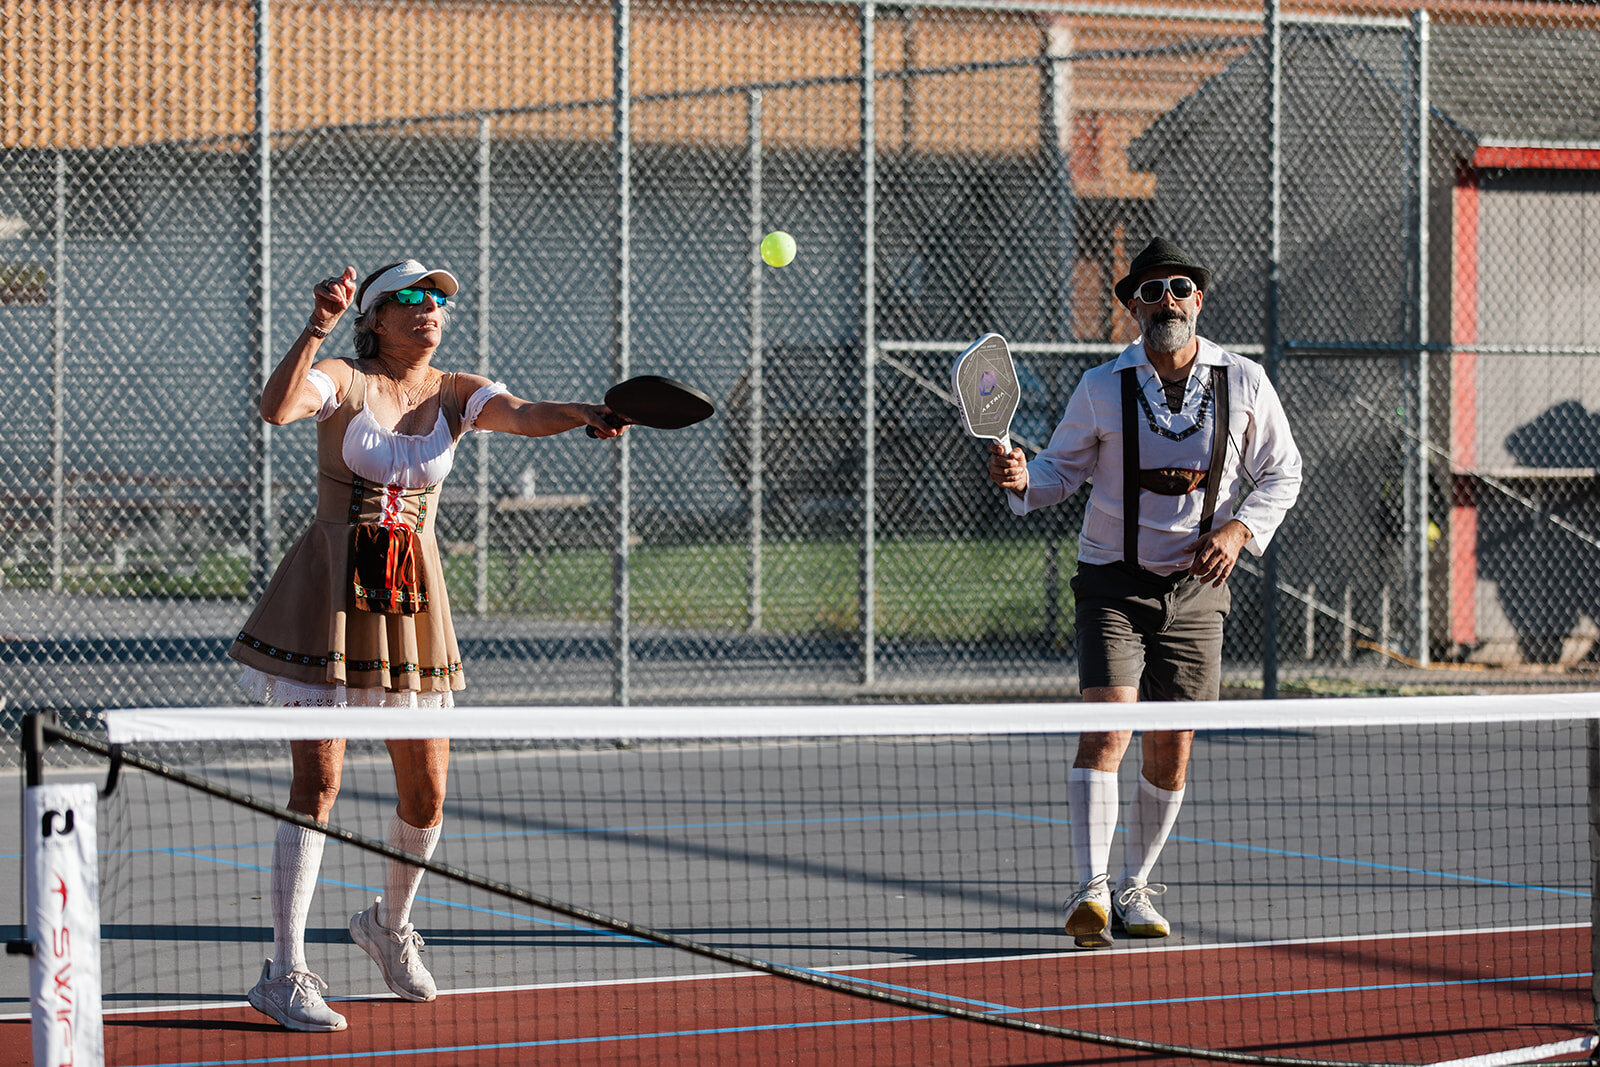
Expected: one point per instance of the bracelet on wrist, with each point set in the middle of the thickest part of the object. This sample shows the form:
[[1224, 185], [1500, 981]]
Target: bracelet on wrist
[[317, 331]]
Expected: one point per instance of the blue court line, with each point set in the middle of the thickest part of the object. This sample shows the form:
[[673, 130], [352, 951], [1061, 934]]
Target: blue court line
[[498, 913], [1004, 1009], [831, 1023], [641, 828], [1330, 991], [1369, 864], [652, 827], [928, 994], [556, 1041], [602, 932], [598, 931], [907, 816], [998, 813]]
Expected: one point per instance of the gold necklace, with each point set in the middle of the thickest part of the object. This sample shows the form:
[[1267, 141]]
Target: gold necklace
[[410, 398]]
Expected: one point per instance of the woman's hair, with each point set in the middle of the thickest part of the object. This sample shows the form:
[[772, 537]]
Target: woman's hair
[[366, 341]]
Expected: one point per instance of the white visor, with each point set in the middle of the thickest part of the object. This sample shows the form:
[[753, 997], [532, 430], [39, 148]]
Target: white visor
[[407, 275]]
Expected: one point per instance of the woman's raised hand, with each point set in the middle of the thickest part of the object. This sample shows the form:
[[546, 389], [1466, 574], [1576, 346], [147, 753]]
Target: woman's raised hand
[[333, 296]]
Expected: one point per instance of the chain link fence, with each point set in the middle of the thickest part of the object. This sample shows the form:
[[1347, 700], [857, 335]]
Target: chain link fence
[[1401, 207]]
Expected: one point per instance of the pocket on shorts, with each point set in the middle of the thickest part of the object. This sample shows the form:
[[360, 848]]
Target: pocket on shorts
[[1201, 596]]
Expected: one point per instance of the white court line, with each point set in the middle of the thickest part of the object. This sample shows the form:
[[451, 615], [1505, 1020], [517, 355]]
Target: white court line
[[1522, 1055], [898, 964], [1228, 946]]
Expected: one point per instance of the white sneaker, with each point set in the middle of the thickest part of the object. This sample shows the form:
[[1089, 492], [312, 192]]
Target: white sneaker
[[1135, 912], [396, 953], [1089, 913], [295, 1001]]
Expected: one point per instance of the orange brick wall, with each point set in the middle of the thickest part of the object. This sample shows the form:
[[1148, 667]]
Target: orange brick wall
[[113, 73]]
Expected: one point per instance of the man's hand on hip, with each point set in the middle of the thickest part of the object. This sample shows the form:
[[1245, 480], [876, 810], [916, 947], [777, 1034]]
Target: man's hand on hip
[[1215, 553]]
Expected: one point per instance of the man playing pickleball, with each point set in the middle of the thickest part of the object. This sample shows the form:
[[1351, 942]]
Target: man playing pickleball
[[1191, 461]]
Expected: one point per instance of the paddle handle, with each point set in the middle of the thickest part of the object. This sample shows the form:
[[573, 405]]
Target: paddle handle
[[614, 419]]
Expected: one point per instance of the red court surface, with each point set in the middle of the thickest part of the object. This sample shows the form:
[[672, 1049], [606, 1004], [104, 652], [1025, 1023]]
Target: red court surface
[[1413, 1000]]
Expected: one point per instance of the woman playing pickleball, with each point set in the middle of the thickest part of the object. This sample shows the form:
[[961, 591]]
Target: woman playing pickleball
[[357, 614]]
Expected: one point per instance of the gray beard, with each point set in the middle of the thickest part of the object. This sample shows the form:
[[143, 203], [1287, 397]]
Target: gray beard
[[1170, 335]]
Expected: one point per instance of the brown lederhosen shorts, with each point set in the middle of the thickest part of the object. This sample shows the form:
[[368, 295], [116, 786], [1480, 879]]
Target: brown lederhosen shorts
[[1161, 633]]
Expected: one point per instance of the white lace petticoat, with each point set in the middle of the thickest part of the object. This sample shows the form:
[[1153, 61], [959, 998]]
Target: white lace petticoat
[[264, 688]]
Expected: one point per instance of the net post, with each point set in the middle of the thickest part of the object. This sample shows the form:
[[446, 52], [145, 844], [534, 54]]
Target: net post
[[33, 745], [33, 724], [1592, 751]]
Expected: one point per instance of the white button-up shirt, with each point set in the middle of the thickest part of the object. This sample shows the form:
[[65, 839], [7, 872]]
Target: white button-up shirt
[[1260, 474]]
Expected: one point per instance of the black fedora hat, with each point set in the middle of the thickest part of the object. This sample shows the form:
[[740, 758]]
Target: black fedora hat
[[1158, 254]]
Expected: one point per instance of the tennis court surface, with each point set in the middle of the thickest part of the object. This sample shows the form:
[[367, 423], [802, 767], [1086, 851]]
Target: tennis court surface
[[1401, 880]]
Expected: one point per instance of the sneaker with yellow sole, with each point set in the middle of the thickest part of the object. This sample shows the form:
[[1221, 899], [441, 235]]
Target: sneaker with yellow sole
[[1089, 913], [1133, 910]]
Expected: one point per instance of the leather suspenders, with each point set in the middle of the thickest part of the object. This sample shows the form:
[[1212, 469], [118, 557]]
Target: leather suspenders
[[1219, 443], [1130, 465], [1130, 456]]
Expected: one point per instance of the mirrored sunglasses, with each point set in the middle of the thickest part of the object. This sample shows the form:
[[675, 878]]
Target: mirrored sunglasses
[[1182, 287], [414, 296]]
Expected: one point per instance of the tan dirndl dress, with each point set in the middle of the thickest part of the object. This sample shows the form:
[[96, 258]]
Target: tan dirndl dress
[[312, 628]]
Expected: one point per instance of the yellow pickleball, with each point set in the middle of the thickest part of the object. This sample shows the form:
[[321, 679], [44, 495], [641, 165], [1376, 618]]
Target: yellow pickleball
[[777, 249]]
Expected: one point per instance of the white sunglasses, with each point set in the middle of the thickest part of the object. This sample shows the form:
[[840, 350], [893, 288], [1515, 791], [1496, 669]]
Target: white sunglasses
[[1182, 287]]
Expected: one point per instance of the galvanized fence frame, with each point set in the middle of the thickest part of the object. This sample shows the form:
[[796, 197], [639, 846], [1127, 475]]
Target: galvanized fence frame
[[1275, 348]]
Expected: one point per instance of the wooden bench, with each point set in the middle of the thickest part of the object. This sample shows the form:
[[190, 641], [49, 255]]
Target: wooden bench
[[118, 512]]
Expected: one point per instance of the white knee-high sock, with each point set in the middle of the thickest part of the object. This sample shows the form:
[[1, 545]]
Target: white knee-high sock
[[296, 859], [1092, 802], [400, 887], [1151, 815]]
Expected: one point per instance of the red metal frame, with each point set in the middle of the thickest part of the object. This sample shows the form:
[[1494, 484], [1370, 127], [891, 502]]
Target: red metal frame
[[1464, 365]]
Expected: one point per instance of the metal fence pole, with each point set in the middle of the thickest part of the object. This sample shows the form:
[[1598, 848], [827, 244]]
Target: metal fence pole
[[266, 544], [480, 601], [754, 487], [867, 674], [58, 379], [1056, 116], [620, 344], [1421, 448], [1274, 338]]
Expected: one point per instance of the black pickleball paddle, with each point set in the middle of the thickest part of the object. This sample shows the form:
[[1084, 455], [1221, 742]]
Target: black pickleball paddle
[[658, 402]]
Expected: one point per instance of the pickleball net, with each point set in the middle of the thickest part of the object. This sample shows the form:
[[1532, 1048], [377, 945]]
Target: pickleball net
[[1396, 880]]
